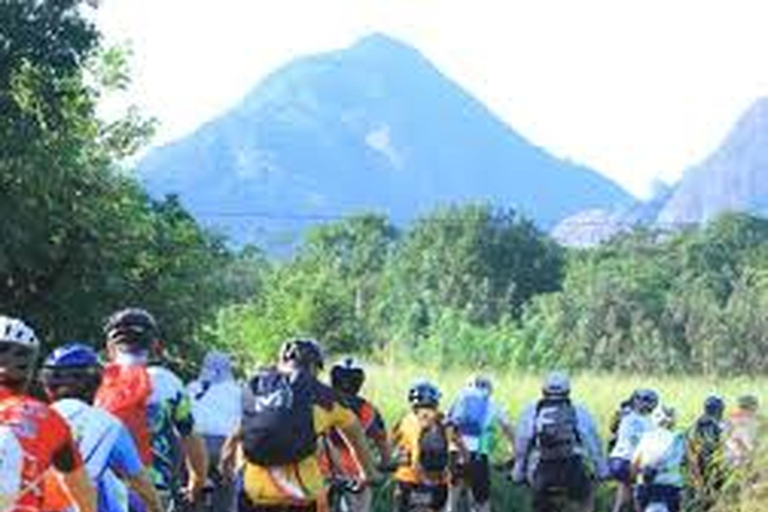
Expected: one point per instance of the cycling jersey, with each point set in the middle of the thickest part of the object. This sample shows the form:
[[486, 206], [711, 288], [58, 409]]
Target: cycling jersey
[[170, 416], [345, 461], [405, 438], [106, 447], [46, 441], [301, 483]]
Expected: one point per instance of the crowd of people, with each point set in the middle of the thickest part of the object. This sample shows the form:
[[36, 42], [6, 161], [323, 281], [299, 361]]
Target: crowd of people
[[126, 434]]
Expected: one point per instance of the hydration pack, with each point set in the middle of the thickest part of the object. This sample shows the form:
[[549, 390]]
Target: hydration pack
[[278, 423], [556, 430], [432, 453], [469, 413]]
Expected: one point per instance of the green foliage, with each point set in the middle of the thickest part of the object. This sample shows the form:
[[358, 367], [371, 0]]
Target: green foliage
[[80, 238]]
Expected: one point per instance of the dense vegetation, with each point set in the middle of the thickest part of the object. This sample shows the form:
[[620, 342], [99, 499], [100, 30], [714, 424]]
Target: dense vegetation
[[471, 285]]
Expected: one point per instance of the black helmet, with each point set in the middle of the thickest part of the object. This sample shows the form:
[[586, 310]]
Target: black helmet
[[302, 352], [347, 376], [424, 394], [714, 406], [646, 400], [132, 327], [73, 364]]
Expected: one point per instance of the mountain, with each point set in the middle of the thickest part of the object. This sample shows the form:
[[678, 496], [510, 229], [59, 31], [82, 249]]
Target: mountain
[[371, 127], [733, 178]]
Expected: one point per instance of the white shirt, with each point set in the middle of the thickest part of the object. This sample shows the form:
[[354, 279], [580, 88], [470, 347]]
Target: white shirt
[[217, 411], [664, 451], [631, 429]]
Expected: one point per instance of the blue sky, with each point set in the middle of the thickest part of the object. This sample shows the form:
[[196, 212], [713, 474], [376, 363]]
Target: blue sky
[[639, 90]]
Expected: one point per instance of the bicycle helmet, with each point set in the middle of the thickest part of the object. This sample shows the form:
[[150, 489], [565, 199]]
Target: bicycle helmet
[[347, 376], [748, 402], [556, 384], [646, 401], [303, 352], [424, 394], [18, 348], [481, 383], [71, 364], [714, 406], [134, 329]]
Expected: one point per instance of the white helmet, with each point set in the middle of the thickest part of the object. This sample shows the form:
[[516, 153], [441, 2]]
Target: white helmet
[[18, 347], [665, 417], [480, 382], [556, 384]]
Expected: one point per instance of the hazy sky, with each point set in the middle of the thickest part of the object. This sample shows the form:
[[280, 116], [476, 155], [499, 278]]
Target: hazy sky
[[639, 90]]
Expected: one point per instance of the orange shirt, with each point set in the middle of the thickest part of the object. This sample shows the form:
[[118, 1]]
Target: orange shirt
[[46, 441]]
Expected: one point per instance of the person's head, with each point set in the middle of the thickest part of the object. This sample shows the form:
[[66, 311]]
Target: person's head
[[347, 376], [132, 335], [481, 383], [424, 395], [714, 407], [18, 351], [302, 354], [645, 401], [748, 402], [556, 386], [216, 368], [665, 417], [72, 371]]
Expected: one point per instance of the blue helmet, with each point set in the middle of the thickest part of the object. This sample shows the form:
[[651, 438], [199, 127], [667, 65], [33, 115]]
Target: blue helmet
[[714, 406], [72, 363], [424, 394]]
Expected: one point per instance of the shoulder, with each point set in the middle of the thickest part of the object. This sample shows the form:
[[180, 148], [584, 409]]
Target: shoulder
[[165, 383]]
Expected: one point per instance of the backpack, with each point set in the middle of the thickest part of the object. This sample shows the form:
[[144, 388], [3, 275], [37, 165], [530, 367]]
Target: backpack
[[556, 430], [469, 413], [125, 392], [278, 420], [432, 449], [706, 439], [11, 466]]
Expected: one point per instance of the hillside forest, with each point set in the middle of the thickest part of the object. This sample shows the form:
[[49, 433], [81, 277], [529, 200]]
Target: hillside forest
[[467, 284]]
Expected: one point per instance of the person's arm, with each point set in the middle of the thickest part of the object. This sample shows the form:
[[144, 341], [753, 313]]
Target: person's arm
[[523, 440], [506, 426], [196, 457], [80, 488], [192, 446], [592, 442], [350, 426], [229, 451], [142, 485], [125, 461]]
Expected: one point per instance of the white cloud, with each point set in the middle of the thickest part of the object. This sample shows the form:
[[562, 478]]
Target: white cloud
[[636, 89]]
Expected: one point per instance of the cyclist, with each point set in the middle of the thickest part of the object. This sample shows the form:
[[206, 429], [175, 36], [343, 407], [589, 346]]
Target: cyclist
[[658, 461], [744, 427], [706, 453], [474, 414], [427, 448], [285, 409], [216, 405], [152, 402], [558, 451], [340, 460], [71, 376], [631, 429], [34, 438]]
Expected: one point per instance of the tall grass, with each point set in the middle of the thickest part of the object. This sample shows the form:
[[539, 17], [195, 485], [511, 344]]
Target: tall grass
[[387, 387]]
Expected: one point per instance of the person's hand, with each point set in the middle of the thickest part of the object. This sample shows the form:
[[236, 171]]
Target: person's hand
[[194, 489]]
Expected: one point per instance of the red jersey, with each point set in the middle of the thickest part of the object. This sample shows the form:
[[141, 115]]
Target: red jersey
[[45, 440]]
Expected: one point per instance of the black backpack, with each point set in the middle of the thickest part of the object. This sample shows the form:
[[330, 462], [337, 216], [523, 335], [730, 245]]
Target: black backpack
[[556, 430], [278, 422], [433, 447]]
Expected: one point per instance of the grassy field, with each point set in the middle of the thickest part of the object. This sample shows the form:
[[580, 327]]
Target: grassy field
[[387, 387]]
